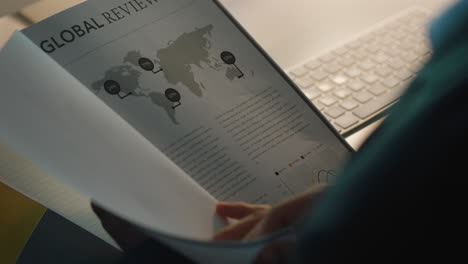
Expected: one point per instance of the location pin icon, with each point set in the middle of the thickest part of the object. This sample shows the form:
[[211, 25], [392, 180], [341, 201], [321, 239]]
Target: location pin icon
[[230, 59], [174, 96], [113, 88], [147, 65]]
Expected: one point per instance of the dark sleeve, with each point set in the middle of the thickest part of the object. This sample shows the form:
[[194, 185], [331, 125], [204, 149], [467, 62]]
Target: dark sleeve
[[382, 208], [137, 246], [153, 252]]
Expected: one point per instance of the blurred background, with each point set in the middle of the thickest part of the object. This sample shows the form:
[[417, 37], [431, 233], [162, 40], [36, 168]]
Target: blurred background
[[18, 214]]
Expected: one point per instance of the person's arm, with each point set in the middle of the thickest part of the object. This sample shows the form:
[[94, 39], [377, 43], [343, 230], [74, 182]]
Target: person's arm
[[255, 221]]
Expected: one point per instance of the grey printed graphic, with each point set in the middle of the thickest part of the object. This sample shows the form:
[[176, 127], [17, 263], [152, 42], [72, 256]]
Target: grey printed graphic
[[173, 63]]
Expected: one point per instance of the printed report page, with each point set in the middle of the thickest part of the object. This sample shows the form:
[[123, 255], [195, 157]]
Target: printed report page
[[187, 79]]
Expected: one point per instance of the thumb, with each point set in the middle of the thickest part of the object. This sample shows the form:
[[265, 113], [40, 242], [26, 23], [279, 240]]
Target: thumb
[[238, 210]]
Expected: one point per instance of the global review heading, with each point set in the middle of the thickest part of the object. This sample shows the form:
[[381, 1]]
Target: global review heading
[[93, 24]]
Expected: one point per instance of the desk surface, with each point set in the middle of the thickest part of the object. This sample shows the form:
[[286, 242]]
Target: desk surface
[[18, 216], [308, 26], [291, 31]]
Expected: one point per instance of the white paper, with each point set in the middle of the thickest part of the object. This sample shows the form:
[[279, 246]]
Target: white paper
[[226, 252], [35, 183], [51, 119]]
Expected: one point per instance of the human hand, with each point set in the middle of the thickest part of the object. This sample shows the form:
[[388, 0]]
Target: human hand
[[255, 221]]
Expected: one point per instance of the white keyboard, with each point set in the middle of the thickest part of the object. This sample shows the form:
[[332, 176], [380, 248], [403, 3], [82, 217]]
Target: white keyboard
[[354, 83]]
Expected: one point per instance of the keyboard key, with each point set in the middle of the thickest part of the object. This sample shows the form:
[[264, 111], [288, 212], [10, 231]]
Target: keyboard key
[[356, 85], [393, 52], [405, 84], [416, 39], [327, 58], [354, 45], [363, 97], [299, 71], [381, 58], [319, 105], [339, 79], [325, 87], [312, 65], [332, 68], [387, 41], [413, 28], [335, 112], [416, 67], [342, 93], [346, 121], [305, 82], [380, 33], [421, 16], [312, 94], [328, 100], [367, 65], [374, 106], [377, 89], [406, 18], [426, 58], [370, 78], [396, 64], [392, 26], [359, 55], [337, 127], [341, 51], [406, 45], [407, 28], [412, 39], [404, 75], [346, 61], [404, 57], [390, 82], [318, 75], [368, 39], [410, 57], [422, 50], [349, 104], [384, 71], [399, 35], [373, 48], [353, 72]]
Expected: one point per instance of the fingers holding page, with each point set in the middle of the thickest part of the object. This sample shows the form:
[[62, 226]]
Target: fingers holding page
[[239, 210], [247, 216]]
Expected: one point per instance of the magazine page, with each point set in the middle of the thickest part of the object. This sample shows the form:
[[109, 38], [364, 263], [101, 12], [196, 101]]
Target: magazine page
[[51, 119], [189, 81], [71, 135]]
